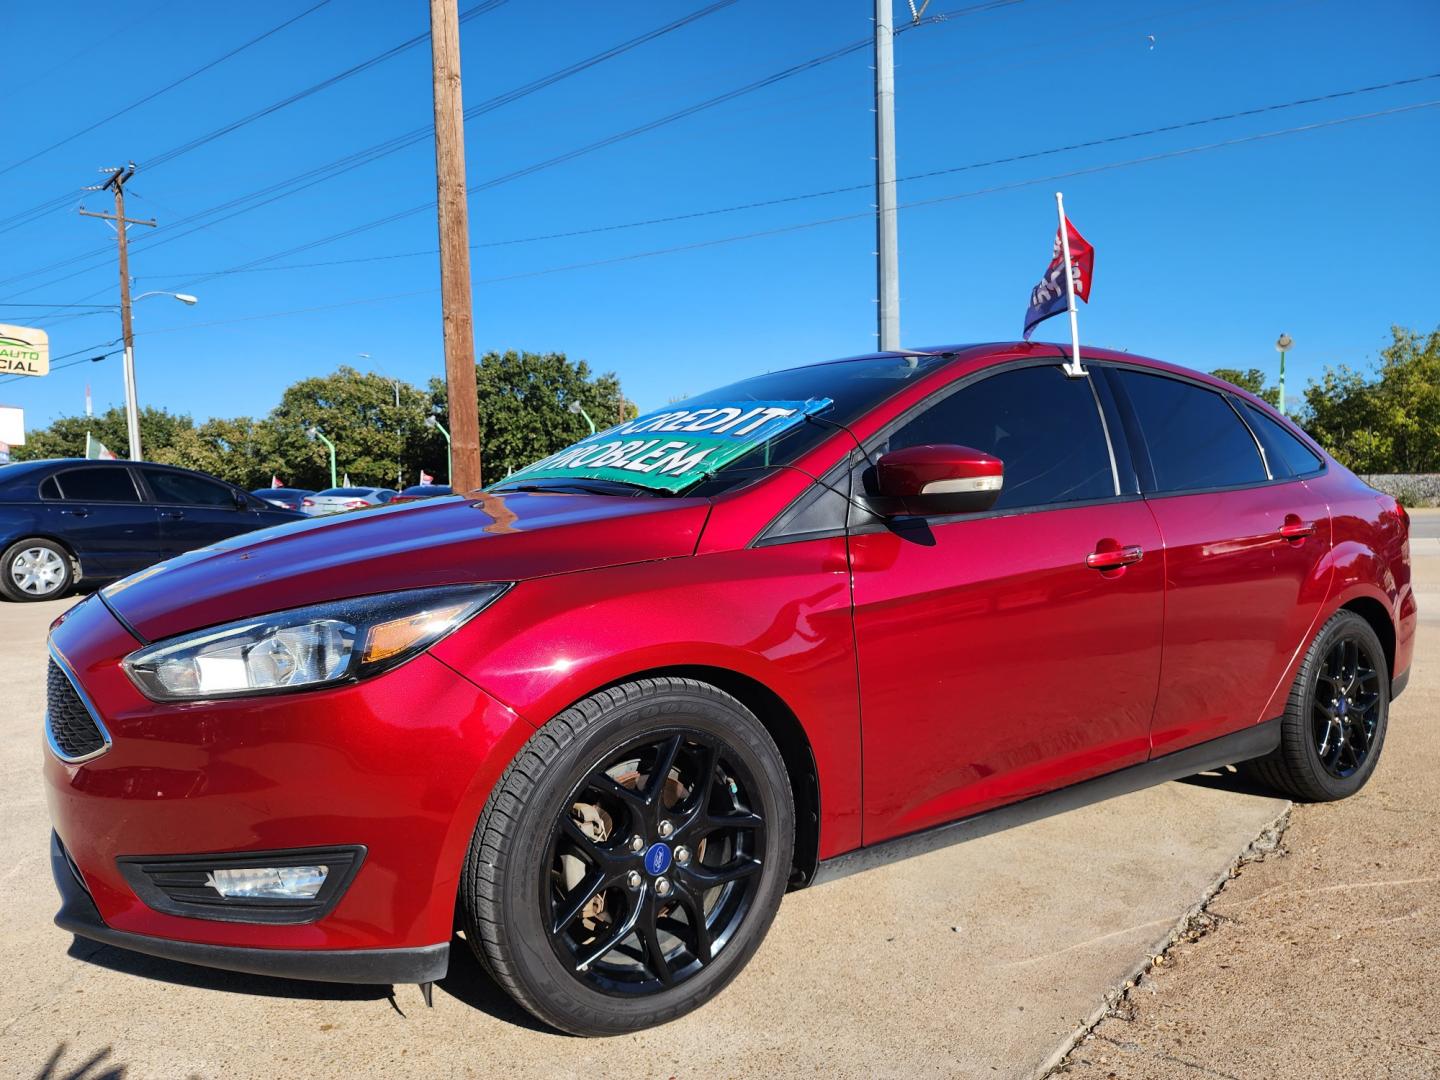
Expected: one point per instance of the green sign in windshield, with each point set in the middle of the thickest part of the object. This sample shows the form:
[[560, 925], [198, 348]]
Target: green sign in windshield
[[671, 450]]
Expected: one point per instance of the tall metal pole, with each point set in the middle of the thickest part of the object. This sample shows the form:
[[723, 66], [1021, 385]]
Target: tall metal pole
[[116, 183], [887, 245], [454, 222]]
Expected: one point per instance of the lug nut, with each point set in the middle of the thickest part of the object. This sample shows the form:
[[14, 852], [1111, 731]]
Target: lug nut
[[637, 843], [666, 828], [633, 879], [662, 886], [682, 855]]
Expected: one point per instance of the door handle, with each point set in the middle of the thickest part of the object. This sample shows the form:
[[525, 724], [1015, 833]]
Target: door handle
[[78, 511], [1295, 529], [172, 515], [1115, 558]]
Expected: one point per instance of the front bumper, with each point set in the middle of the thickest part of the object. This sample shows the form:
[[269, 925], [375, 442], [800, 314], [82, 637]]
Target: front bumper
[[79, 916], [399, 765]]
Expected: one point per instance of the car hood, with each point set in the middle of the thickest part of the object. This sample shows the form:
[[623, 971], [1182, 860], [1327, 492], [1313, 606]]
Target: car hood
[[443, 541]]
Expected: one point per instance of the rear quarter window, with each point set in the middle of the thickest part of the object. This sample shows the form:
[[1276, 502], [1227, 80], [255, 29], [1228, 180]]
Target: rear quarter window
[[1288, 456]]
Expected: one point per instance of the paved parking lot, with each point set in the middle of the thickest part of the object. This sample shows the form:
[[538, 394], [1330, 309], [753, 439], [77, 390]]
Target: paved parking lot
[[975, 961]]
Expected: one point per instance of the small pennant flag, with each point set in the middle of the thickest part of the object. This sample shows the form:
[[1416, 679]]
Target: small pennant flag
[[96, 450], [1048, 298], [426, 478], [347, 480], [275, 481]]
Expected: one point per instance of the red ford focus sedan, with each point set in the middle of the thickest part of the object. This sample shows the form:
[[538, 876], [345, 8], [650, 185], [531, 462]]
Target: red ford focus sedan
[[601, 716]]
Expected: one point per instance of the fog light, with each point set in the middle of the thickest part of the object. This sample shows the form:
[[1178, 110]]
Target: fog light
[[280, 882]]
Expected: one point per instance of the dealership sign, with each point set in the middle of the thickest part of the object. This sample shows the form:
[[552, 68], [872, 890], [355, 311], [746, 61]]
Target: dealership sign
[[24, 351], [673, 449]]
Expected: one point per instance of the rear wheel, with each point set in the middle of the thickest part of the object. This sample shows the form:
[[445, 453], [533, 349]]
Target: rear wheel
[[631, 858], [36, 569], [1334, 722]]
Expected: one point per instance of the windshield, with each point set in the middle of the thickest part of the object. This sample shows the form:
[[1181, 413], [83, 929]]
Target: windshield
[[713, 441]]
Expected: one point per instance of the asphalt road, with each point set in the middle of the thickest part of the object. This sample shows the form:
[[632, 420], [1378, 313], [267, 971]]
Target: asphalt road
[[980, 960]]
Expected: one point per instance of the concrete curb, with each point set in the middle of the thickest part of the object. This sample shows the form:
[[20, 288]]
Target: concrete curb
[[1271, 835]]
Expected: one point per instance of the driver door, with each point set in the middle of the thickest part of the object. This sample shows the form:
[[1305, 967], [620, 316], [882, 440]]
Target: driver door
[[995, 662]]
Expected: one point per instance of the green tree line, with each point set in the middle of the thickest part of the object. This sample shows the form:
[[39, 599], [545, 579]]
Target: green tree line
[[523, 401], [1382, 420]]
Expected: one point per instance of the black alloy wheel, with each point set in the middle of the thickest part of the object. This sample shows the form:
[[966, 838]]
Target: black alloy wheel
[[630, 860], [654, 863], [1334, 723], [1346, 720]]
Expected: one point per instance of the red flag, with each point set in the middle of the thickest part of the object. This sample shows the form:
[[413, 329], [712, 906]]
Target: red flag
[[275, 481], [1048, 298], [426, 478]]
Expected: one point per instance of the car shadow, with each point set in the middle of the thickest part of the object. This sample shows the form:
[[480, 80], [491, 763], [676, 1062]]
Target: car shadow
[[1229, 778], [466, 982]]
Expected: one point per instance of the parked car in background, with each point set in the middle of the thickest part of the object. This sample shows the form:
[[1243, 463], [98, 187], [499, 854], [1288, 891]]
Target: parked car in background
[[416, 492], [66, 521], [338, 500], [285, 498], [611, 710]]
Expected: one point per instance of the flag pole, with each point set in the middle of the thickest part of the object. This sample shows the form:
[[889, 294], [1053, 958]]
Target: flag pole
[[1074, 368]]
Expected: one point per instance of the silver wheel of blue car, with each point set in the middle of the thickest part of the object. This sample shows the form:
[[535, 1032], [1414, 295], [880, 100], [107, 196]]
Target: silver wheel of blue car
[[35, 570]]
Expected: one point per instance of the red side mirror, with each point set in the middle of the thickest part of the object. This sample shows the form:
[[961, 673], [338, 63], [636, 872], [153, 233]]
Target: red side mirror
[[937, 479]]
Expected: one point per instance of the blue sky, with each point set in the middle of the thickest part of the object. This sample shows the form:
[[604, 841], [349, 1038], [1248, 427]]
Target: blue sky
[[1202, 258]]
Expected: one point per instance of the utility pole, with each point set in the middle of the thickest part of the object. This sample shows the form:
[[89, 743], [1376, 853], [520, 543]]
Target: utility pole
[[118, 179], [887, 245], [454, 220]]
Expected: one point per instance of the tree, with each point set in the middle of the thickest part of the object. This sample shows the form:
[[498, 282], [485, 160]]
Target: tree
[[65, 437], [1251, 379], [524, 401], [1390, 423]]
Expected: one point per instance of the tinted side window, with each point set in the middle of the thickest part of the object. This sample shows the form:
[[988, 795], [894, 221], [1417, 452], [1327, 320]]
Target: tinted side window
[[1042, 424], [1288, 456], [1195, 439], [49, 488], [191, 490], [97, 485]]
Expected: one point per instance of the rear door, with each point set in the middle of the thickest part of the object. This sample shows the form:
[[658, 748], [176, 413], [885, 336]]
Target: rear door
[[195, 511], [98, 511], [1245, 539], [995, 661]]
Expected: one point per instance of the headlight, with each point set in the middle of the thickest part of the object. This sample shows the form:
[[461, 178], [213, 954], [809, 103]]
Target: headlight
[[305, 648]]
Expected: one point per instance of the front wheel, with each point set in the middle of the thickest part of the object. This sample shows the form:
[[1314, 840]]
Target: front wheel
[[1334, 722], [632, 857]]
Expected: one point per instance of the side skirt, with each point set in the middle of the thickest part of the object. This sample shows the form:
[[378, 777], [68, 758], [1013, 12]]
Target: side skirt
[[1229, 749]]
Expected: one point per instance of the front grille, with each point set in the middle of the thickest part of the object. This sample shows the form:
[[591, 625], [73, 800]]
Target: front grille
[[74, 734]]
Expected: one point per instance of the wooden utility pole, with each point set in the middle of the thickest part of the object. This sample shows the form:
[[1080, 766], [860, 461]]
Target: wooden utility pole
[[454, 218], [116, 183]]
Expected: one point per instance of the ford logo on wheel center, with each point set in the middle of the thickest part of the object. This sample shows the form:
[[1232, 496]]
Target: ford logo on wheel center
[[657, 859]]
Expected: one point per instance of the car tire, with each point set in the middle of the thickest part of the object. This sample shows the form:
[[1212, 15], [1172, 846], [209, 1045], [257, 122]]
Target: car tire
[[582, 813], [1335, 718], [36, 569]]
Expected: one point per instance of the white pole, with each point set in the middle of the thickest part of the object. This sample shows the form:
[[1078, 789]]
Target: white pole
[[1073, 369], [132, 405]]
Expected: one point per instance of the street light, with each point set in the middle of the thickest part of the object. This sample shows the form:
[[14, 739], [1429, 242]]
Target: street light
[[132, 404], [576, 408], [432, 422], [1282, 344], [312, 433]]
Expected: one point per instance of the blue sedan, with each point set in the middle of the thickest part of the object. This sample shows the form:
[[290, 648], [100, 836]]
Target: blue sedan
[[66, 521]]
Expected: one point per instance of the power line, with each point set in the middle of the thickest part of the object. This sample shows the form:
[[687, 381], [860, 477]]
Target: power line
[[322, 173], [849, 188], [24, 217], [817, 223], [168, 87]]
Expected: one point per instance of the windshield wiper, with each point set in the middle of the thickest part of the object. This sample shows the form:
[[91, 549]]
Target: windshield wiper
[[619, 488]]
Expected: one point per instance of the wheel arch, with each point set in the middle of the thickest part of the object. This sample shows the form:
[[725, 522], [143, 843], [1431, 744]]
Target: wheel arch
[[1378, 616], [789, 734]]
